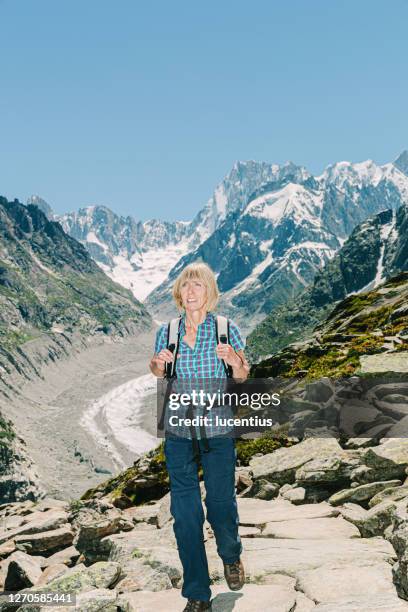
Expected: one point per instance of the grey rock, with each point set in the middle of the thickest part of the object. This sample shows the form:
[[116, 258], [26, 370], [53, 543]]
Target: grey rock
[[377, 603], [68, 556], [296, 495], [281, 465], [262, 489], [140, 576], [378, 518], [320, 391], [46, 541], [353, 443], [314, 529], [334, 584], [92, 526], [393, 493], [329, 468], [389, 459], [22, 571], [52, 571], [251, 598], [36, 523], [361, 493], [255, 512]]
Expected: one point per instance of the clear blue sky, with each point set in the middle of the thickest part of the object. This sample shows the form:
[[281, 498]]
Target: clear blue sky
[[145, 106]]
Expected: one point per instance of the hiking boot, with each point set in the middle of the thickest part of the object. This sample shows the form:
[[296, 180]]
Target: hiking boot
[[234, 575], [196, 605]]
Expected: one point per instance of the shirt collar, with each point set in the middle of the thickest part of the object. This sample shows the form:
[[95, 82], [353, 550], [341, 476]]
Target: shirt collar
[[206, 321]]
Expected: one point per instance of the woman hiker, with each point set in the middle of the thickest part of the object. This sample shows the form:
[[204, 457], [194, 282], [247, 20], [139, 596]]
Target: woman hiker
[[199, 356]]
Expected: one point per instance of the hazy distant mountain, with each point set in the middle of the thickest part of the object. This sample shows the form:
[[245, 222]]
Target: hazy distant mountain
[[42, 205], [139, 255]]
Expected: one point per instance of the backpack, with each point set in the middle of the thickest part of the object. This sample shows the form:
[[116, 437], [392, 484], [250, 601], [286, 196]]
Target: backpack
[[173, 341]]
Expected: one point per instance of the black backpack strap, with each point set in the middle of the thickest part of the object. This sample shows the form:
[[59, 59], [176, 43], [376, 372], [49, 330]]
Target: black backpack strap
[[173, 342], [222, 329]]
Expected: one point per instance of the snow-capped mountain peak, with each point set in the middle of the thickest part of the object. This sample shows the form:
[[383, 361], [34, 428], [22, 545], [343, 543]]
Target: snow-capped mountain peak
[[266, 230], [293, 200], [358, 174]]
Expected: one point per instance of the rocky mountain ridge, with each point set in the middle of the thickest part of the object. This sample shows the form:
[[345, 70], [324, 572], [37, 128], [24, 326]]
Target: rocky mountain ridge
[[363, 330], [376, 250]]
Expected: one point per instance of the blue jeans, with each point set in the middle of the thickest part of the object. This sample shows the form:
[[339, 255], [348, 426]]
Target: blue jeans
[[187, 510]]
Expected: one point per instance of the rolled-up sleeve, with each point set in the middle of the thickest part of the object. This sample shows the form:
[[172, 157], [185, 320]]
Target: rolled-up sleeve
[[161, 338], [236, 339]]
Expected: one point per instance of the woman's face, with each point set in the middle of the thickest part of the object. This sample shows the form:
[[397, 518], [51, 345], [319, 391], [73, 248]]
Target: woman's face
[[193, 294]]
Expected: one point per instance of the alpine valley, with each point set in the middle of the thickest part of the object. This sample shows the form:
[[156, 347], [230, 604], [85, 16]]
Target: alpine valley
[[317, 268], [55, 304], [286, 246]]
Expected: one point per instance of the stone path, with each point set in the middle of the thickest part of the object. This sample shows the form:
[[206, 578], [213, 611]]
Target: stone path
[[297, 559]]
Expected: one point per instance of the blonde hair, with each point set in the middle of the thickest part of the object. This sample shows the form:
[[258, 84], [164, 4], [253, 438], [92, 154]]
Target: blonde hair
[[202, 272]]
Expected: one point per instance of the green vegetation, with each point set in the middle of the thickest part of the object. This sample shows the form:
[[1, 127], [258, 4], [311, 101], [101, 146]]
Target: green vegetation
[[357, 326], [137, 554], [353, 304], [75, 505], [6, 432], [11, 339], [265, 444], [146, 480]]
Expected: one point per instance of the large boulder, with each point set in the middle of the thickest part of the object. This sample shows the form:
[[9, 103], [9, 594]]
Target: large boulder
[[251, 598], [281, 465], [361, 493], [23, 571], [46, 542], [375, 603], [378, 518], [319, 391], [103, 600], [399, 539], [261, 489], [394, 493], [333, 468], [93, 521], [35, 523], [253, 512], [76, 579], [68, 556], [145, 549], [388, 460]]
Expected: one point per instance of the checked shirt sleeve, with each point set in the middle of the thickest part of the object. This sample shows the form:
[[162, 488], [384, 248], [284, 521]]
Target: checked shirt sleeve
[[236, 340], [161, 339]]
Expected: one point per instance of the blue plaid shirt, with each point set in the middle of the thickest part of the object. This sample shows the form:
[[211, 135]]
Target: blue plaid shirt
[[197, 365]]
